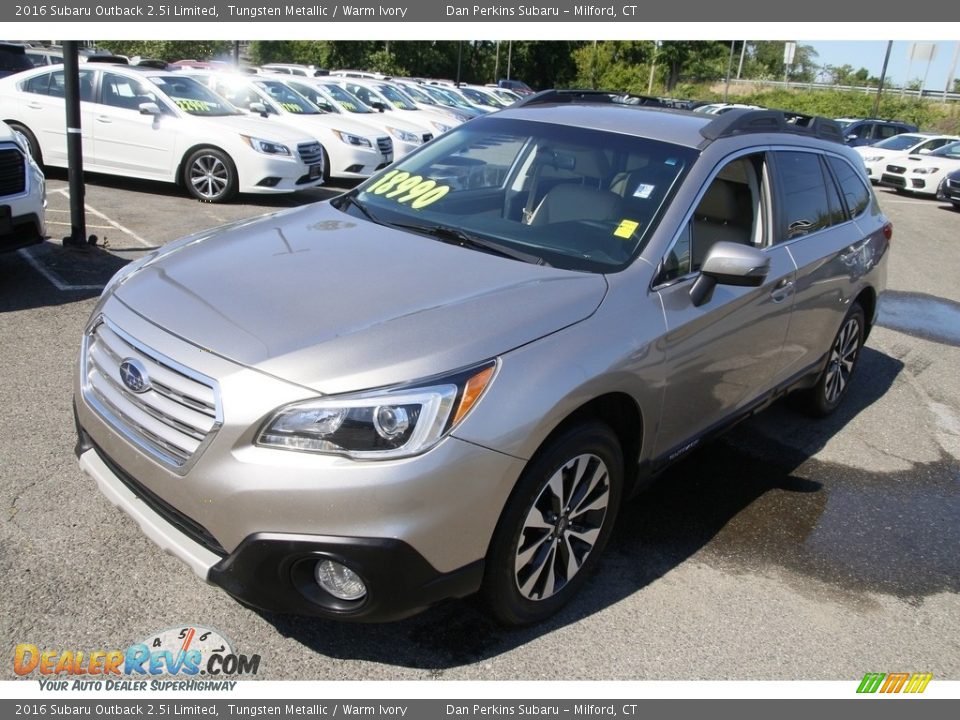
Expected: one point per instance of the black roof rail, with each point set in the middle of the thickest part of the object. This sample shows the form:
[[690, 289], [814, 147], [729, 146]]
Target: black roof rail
[[742, 121], [588, 96]]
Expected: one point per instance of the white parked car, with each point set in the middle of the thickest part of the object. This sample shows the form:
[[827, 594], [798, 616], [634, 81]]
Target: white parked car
[[22, 192], [921, 174], [425, 101], [328, 95], [875, 157], [352, 149], [159, 125], [380, 95]]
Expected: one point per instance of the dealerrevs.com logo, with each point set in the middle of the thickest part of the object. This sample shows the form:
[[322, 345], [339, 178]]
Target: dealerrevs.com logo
[[186, 653]]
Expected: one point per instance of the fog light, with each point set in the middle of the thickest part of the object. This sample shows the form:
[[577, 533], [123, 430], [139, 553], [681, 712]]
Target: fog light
[[339, 580]]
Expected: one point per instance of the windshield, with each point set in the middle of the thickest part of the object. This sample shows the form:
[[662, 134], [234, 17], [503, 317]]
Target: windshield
[[287, 99], [192, 97], [899, 142], [480, 98], [419, 96], [457, 100], [347, 101], [396, 98], [951, 151], [575, 198], [318, 96]]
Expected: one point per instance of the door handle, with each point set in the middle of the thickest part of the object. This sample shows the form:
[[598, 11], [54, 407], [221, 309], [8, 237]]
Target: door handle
[[104, 119], [853, 251], [34, 106], [781, 291]]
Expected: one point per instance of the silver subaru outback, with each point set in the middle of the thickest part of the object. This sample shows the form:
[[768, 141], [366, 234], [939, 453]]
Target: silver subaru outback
[[447, 380]]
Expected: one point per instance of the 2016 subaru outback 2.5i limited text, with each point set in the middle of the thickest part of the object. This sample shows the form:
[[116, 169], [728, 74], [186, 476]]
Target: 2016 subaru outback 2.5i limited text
[[448, 379]]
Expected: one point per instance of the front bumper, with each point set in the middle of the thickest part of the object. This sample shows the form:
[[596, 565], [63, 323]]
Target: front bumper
[[357, 162], [949, 190], [267, 175], [274, 571]]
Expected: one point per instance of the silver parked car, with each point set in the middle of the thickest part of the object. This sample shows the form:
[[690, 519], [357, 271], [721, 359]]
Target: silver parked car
[[447, 380]]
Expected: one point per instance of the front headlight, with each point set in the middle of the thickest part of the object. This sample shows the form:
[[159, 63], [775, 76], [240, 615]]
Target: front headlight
[[440, 127], [404, 136], [926, 171], [352, 139], [380, 424], [267, 147], [875, 158]]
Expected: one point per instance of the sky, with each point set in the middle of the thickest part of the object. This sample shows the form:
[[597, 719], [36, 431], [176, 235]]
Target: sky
[[869, 54]]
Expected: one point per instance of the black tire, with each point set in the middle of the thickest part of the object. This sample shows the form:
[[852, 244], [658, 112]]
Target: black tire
[[541, 535], [956, 206], [843, 356], [210, 175], [31, 140]]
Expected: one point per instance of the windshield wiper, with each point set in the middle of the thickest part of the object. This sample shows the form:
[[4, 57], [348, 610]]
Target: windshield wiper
[[350, 198], [456, 236]]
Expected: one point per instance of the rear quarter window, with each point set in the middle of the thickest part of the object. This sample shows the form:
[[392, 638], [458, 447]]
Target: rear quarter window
[[852, 186]]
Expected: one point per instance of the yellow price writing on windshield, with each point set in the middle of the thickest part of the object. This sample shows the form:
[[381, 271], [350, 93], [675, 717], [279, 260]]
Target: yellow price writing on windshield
[[192, 105], [291, 107], [404, 187]]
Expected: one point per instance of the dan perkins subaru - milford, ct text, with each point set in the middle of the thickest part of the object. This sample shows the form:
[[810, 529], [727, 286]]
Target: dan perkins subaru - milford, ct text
[[503, 11]]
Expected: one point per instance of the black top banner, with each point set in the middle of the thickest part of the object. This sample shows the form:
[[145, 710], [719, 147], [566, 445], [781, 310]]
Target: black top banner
[[639, 11]]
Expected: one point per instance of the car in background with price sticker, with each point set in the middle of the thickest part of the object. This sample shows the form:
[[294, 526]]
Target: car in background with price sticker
[[447, 379], [158, 125], [351, 149]]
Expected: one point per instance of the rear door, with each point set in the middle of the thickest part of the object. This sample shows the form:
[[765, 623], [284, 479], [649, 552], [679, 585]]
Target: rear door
[[816, 225], [43, 111]]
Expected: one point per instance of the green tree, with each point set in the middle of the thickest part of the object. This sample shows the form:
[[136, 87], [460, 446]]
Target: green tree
[[692, 61], [765, 62], [169, 50]]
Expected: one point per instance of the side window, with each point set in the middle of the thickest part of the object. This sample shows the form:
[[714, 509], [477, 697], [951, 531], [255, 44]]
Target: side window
[[730, 210], [806, 205], [127, 93], [886, 131], [861, 131], [932, 145], [39, 85], [852, 185]]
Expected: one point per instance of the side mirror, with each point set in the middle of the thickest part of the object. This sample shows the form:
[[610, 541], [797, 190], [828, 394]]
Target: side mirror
[[149, 108], [379, 105], [729, 264], [258, 107], [924, 151]]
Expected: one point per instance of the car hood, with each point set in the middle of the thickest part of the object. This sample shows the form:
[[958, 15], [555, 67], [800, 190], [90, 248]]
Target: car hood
[[258, 127], [336, 303], [912, 161]]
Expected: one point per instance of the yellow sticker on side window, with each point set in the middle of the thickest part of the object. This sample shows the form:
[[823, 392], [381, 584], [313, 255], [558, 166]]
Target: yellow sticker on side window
[[626, 228]]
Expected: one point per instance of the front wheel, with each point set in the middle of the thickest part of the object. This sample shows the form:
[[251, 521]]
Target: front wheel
[[824, 397], [956, 206], [210, 175], [554, 526]]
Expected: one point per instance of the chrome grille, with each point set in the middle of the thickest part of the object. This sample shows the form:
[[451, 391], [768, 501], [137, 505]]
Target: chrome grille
[[13, 172], [385, 145], [310, 153], [171, 419]]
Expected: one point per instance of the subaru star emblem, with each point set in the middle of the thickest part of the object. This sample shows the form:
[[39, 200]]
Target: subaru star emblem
[[134, 375]]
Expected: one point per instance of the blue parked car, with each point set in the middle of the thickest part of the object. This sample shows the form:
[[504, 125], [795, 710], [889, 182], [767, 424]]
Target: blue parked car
[[860, 131]]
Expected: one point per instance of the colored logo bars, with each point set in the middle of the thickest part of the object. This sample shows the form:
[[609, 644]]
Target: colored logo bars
[[894, 682]]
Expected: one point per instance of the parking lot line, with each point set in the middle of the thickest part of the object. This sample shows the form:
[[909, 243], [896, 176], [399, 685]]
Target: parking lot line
[[113, 223], [54, 280]]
